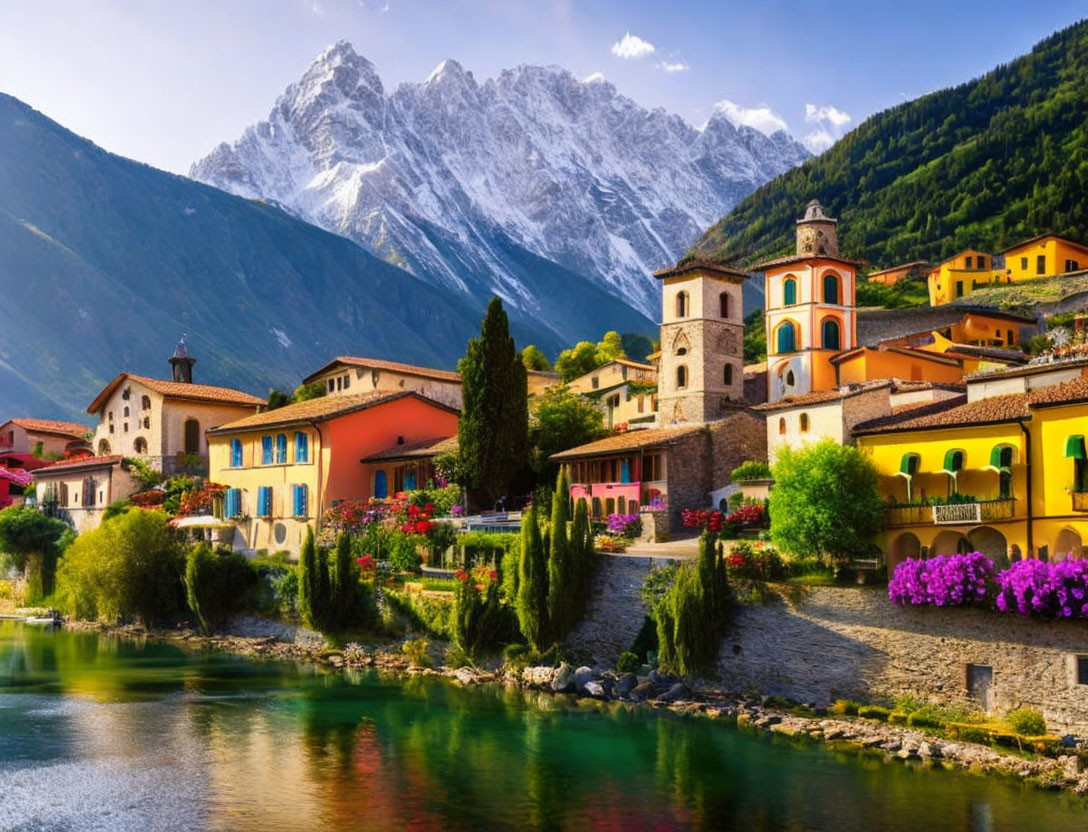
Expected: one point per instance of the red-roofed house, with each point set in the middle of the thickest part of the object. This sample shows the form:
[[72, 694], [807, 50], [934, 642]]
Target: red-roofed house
[[78, 490], [40, 437]]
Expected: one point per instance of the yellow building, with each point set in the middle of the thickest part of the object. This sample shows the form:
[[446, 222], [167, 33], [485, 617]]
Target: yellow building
[[1043, 256], [1006, 474], [959, 275], [625, 390]]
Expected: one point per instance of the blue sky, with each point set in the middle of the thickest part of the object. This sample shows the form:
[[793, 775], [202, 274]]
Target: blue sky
[[163, 81]]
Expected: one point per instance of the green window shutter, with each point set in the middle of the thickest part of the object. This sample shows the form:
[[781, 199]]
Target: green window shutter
[[953, 460], [909, 465], [1074, 447]]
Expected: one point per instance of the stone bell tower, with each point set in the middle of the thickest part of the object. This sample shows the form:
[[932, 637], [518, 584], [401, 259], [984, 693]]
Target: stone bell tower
[[701, 371], [816, 232], [182, 363]]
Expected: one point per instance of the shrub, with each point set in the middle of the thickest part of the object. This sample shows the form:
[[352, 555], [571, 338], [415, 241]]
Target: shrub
[[532, 598], [31, 543], [416, 651], [874, 712], [898, 717], [403, 552], [130, 566], [217, 586], [516, 655], [762, 563], [624, 525], [844, 707], [627, 662], [1056, 590], [433, 616], [456, 657], [480, 619], [277, 586], [753, 469], [1026, 721], [943, 581]]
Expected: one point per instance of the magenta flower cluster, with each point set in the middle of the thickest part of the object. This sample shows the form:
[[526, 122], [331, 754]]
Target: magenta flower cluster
[[1032, 587], [624, 524], [943, 581]]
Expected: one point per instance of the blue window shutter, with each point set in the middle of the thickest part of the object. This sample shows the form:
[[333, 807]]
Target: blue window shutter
[[264, 494], [295, 500], [266, 450], [281, 448], [236, 453], [302, 501], [302, 447]]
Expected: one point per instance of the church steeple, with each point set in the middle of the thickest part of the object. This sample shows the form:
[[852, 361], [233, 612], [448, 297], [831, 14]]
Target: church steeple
[[182, 363]]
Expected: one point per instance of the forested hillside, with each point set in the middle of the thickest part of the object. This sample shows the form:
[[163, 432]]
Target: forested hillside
[[984, 164]]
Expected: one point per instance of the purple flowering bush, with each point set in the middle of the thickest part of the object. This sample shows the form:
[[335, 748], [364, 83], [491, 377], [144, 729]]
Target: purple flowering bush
[[624, 525], [943, 581], [1033, 587]]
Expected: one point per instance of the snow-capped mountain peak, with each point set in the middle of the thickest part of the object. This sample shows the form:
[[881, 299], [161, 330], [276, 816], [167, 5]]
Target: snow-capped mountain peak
[[468, 184]]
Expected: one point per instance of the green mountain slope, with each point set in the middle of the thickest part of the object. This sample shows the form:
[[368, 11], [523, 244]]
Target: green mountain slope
[[104, 262], [985, 164]]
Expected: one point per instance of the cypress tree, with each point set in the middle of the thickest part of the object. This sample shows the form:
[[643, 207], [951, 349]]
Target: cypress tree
[[322, 589], [580, 534], [493, 432], [307, 561], [562, 583], [345, 582], [532, 602]]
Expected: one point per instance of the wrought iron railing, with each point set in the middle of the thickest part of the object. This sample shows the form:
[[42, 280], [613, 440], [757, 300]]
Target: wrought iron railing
[[908, 514], [981, 511]]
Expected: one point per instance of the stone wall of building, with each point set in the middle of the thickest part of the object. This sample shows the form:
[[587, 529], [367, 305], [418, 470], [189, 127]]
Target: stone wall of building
[[829, 642]]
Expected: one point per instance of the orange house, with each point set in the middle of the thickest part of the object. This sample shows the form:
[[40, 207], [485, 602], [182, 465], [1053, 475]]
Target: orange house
[[284, 467], [889, 277]]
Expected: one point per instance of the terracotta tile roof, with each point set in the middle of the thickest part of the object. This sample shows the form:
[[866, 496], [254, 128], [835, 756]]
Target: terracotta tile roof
[[638, 365], [1032, 368], [951, 413], [913, 264], [632, 440], [760, 367], [996, 353], [900, 385], [320, 410], [1039, 237], [52, 426], [1068, 392], [75, 464], [178, 390], [800, 258], [824, 396], [381, 364], [877, 325], [414, 450], [702, 265]]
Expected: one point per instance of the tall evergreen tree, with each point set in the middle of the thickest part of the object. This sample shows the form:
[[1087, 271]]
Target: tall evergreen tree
[[581, 549], [532, 602], [307, 575], [322, 590], [493, 433], [345, 582], [562, 582]]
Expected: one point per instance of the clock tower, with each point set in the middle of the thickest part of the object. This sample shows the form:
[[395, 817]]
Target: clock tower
[[816, 232]]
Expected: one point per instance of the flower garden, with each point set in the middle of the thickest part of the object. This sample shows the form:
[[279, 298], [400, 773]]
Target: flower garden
[[1027, 587]]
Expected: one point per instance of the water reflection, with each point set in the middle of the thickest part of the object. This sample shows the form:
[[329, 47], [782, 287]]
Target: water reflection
[[100, 732]]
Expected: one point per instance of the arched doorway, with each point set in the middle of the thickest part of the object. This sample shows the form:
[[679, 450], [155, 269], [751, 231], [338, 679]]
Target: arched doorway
[[991, 543], [907, 545], [1068, 545], [949, 542]]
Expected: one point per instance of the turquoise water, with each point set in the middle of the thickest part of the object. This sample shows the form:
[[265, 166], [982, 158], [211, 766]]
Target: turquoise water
[[98, 732]]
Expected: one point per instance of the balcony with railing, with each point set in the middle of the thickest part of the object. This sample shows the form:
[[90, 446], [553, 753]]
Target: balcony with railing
[[979, 511], [908, 514], [1080, 501]]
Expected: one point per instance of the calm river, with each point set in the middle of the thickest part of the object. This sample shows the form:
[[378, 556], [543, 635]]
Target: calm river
[[98, 732]]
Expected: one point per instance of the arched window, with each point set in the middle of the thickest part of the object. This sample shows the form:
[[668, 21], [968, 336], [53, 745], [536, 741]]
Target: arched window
[[782, 426], [804, 423], [381, 485], [681, 377], [787, 337], [140, 445], [790, 379], [126, 411], [723, 301], [192, 436], [145, 403], [831, 288], [830, 334], [789, 292], [103, 447], [682, 351], [682, 305], [728, 375]]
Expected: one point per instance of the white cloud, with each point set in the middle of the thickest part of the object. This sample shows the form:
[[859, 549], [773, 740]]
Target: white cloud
[[831, 115], [761, 117], [819, 141], [595, 78], [678, 66], [632, 46], [317, 8]]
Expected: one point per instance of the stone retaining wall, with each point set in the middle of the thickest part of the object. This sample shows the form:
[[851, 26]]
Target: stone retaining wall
[[615, 611], [823, 643]]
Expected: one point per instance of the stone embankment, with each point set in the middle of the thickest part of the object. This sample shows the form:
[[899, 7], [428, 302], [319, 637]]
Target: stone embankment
[[653, 690]]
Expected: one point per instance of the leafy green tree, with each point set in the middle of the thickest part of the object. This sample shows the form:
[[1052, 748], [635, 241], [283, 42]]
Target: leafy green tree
[[609, 348], [562, 582], [825, 501], [493, 432], [31, 543], [636, 346], [278, 399], [576, 361], [131, 566], [559, 420], [532, 600], [534, 359], [755, 337], [217, 585], [305, 392]]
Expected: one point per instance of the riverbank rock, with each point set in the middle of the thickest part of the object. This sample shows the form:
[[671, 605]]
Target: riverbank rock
[[675, 693], [581, 676], [625, 684], [538, 677], [563, 680], [595, 689]]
